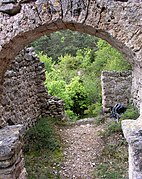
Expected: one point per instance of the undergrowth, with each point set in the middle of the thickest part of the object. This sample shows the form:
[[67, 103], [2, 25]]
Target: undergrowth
[[113, 162], [42, 151], [113, 127]]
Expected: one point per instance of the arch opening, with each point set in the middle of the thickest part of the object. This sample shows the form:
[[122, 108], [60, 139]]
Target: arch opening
[[112, 21], [31, 75]]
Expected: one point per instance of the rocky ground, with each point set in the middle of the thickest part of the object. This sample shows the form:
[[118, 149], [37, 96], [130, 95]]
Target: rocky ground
[[82, 146]]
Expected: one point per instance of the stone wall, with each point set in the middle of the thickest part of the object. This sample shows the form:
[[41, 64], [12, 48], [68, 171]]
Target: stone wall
[[136, 91], [116, 88], [24, 100], [116, 21], [52, 106], [24, 97], [11, 157]]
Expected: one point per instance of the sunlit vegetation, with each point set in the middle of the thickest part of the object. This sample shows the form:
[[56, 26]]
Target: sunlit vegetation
[[74, 76], [73, 64]]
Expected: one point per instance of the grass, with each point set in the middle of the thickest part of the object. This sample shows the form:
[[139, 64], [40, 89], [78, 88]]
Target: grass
[[113, 127], [113, 162], [131, 113], [43, 164], [42, 151]]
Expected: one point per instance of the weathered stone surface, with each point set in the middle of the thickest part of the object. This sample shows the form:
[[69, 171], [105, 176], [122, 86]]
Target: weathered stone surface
[[116, 88], [7, 2], [117, 21], [133, 133], [10, 9], [24, 96], [9, 136], [11, 158]]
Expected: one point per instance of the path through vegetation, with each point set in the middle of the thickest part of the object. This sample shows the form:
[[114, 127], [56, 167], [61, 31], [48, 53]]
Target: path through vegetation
[[83, 150], [82, 147]]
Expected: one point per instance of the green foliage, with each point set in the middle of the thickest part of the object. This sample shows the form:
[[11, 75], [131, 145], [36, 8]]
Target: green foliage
[[108, 58], [76, 77], [75, 90], [92, 88], [94, 109], [43, 164], [77, 93], [71, 115], [111, 128], [107, 171], [41, 136], [64, 42], [131, 113], [48, 64], [42, 151]]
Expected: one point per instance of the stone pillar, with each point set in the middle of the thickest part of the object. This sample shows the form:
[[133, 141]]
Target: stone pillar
[[11, 158], [133, 133], [116, 88]]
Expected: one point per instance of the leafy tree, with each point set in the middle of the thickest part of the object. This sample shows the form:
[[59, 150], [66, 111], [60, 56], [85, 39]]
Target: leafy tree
[[76, 79], [78, 95], [64, 42], [48, 64], [108, 58]]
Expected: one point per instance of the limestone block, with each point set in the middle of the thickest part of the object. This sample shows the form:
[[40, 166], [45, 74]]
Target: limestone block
[[133, 133], [11, 159], [116, 88]]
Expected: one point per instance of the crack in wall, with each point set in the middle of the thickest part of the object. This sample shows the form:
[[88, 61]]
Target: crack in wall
[[101, 11], [87, 11], [61, 9]]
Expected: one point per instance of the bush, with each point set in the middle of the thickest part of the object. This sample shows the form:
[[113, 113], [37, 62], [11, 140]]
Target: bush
[[41, 136], [94, 109], [131, 113], [111, 128], [71, 115]]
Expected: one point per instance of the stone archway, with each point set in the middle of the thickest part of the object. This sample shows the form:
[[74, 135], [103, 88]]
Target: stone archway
[[117, 21]]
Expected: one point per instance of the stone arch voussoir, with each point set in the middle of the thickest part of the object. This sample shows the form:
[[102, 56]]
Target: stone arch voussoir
[[117, 21]]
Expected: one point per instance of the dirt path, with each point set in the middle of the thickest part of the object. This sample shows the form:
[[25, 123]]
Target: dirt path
[[82, 146]]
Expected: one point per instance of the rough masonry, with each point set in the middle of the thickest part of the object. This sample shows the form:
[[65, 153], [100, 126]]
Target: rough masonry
[[24, 97], [117, 21], [116, 88], [11, 156], [24, 100]]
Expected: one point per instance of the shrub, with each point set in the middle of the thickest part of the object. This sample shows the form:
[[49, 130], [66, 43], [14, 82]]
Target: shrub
[[131, 113], [41, 136], [111, 128], [94, 109]]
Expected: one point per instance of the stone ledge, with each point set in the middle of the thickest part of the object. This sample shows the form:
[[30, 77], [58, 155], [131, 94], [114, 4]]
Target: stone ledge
[[11, 157], [132, 130], [10, 141]]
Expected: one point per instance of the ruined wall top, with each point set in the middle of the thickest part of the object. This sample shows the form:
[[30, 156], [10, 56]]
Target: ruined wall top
[[117, 21]]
